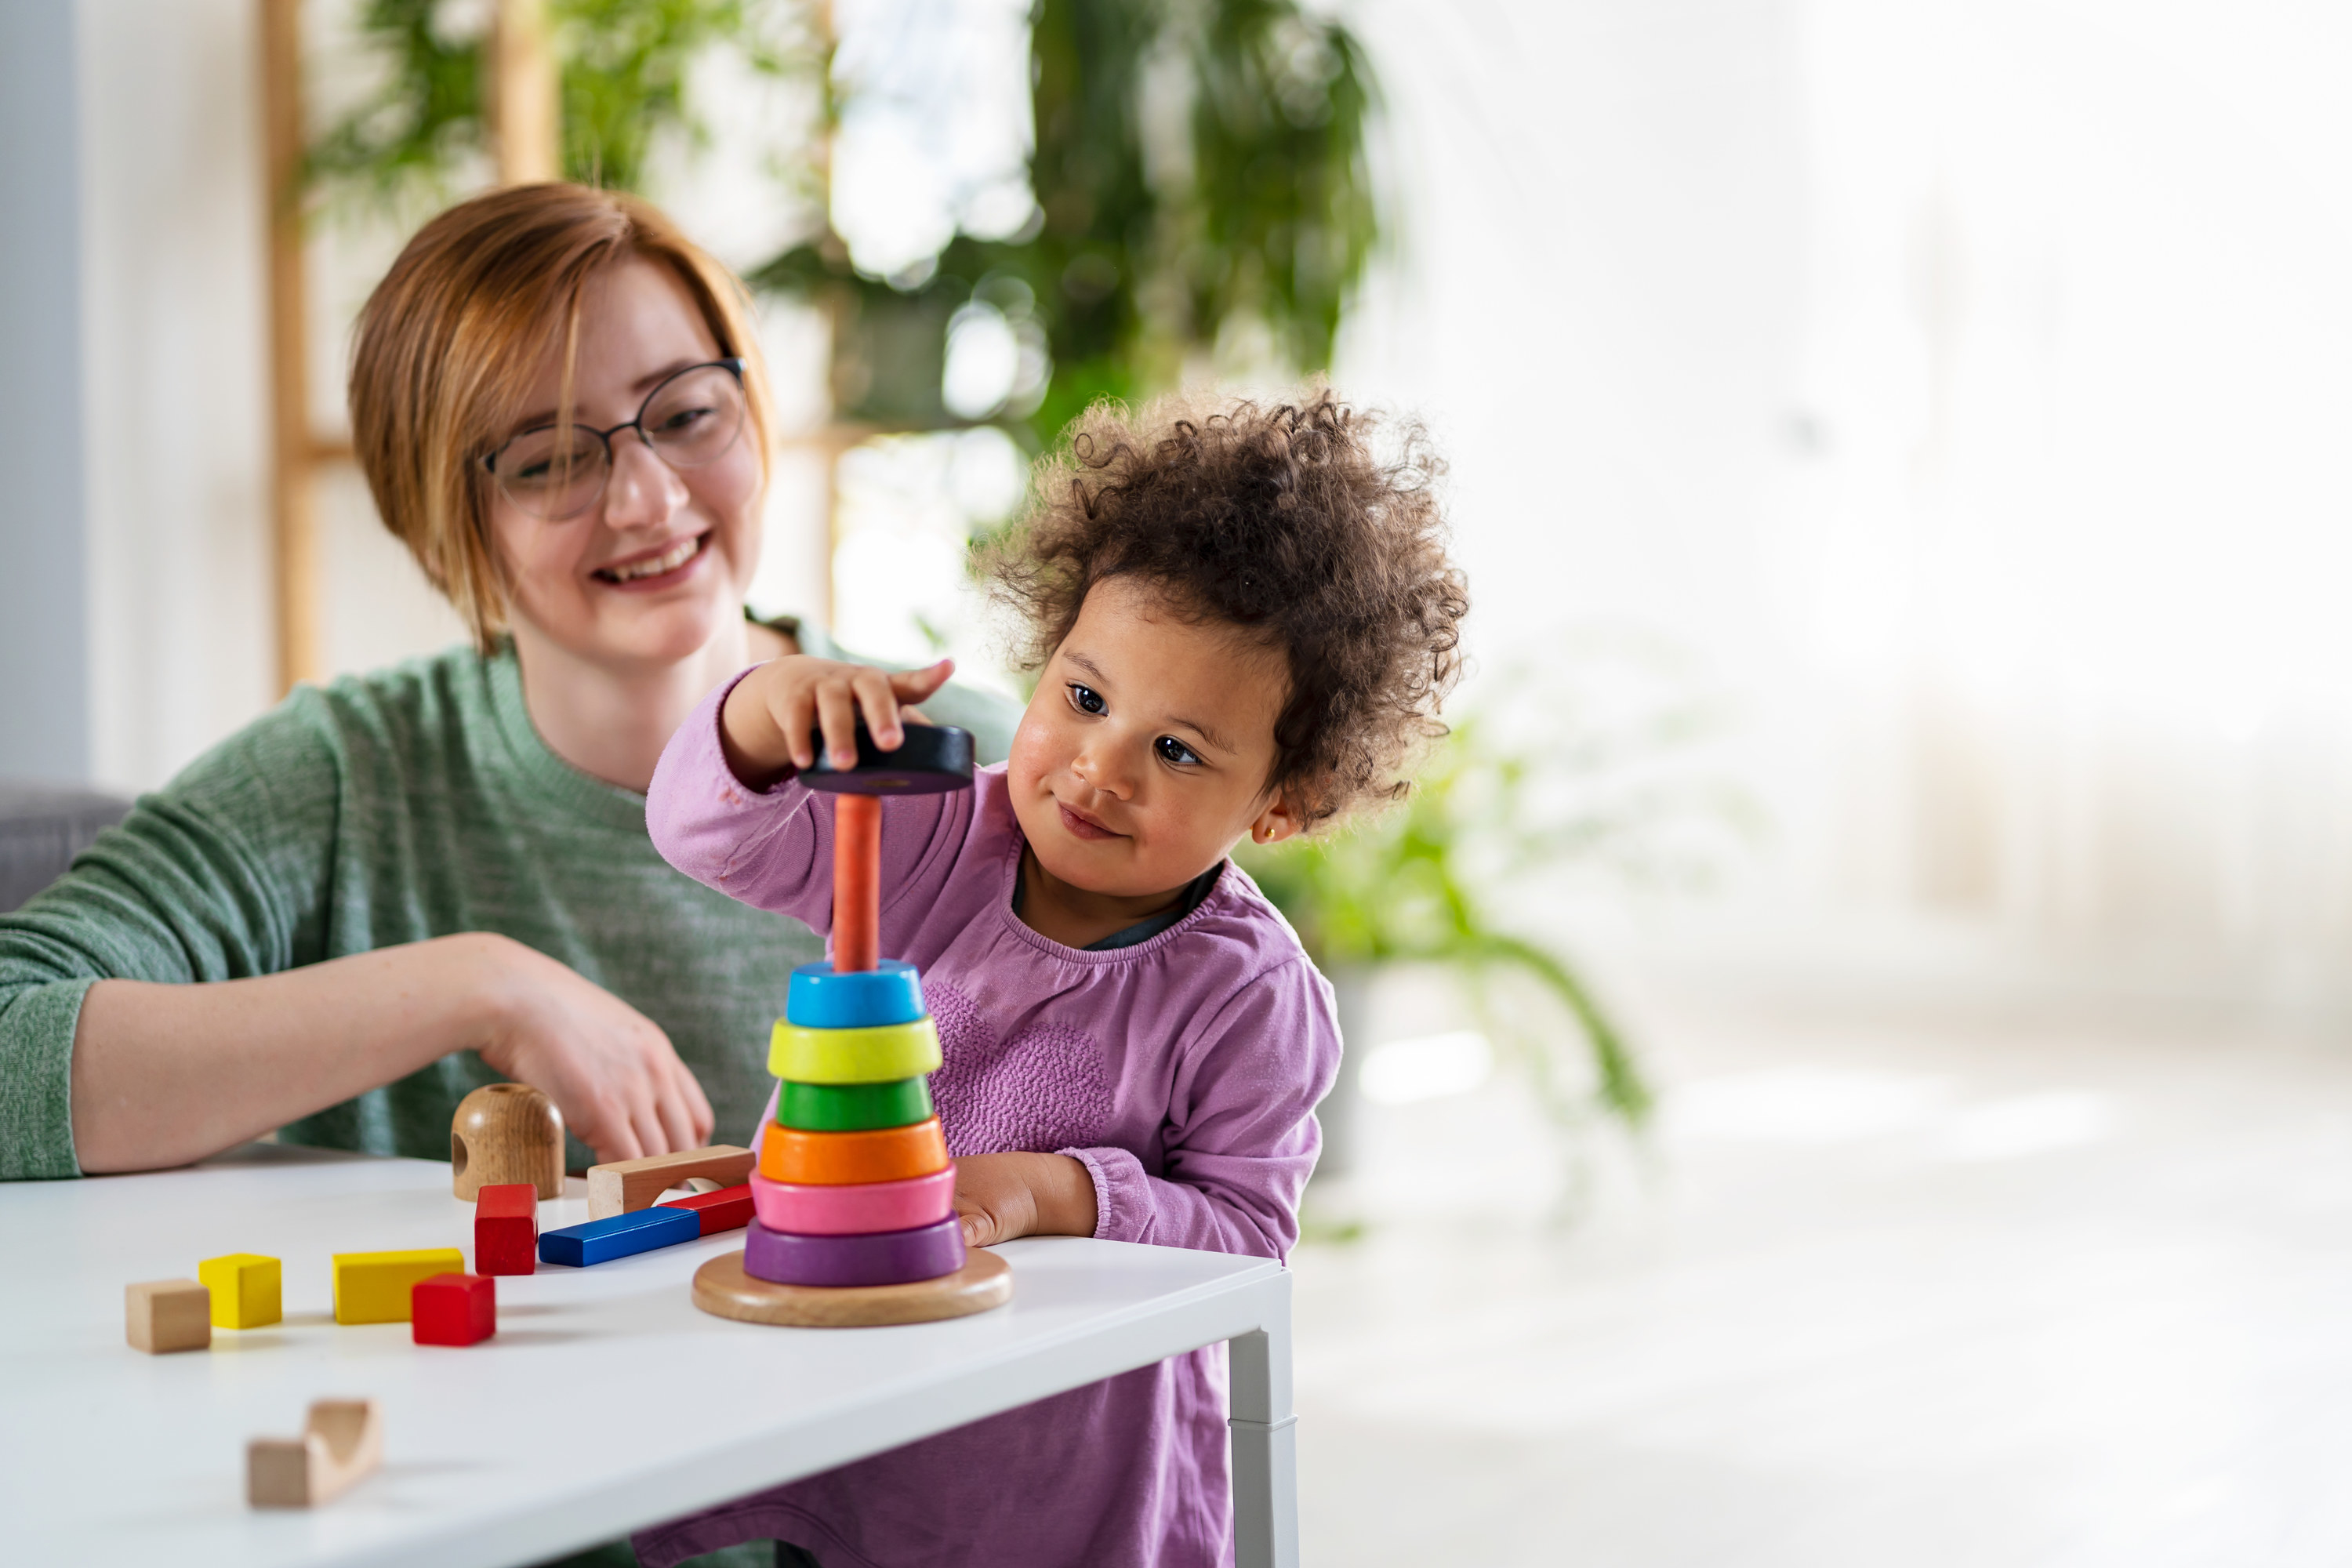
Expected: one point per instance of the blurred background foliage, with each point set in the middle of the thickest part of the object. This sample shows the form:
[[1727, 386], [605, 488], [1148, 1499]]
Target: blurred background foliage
[[1200, 170]]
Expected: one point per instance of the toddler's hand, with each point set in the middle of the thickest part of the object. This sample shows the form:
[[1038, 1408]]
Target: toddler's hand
[[1000, 1197], [764, 726]]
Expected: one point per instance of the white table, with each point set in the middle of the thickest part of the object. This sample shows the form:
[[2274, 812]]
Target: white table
[[606, 1401]]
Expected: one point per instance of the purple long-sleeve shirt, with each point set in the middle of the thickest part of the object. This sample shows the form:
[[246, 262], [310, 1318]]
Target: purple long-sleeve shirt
[[1182, 1071]]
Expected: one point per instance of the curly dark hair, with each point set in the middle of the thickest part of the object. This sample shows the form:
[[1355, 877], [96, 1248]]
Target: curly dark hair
[[1281, 520]]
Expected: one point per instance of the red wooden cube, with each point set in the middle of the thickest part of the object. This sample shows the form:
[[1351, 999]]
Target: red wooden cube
[[505, 1228], [454, 1309], [729, 1208]]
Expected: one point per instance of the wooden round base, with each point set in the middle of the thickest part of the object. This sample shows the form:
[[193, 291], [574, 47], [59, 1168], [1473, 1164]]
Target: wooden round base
[[723, 1290]]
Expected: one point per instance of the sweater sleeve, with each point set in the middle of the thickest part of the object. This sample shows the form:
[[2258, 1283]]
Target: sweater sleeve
[[773, 849], [182, 890], [1241, 1138]]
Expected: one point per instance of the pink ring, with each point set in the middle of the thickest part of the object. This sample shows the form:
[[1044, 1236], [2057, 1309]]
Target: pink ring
[[854, 1208]]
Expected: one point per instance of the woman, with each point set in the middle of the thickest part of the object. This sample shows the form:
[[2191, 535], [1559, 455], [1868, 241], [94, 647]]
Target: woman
[[411, 883]]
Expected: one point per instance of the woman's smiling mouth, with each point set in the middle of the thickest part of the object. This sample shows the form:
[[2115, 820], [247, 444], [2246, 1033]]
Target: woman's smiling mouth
[[645, 568]]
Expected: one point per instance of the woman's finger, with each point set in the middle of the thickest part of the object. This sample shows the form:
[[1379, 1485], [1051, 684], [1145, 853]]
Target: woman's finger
[[676, 1113]]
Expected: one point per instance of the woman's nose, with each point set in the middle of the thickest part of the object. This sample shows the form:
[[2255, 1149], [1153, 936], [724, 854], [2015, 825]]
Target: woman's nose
[[642, 491]]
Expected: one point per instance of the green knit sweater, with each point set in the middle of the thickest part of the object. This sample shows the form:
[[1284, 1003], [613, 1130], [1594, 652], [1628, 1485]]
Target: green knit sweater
[[412, 803]]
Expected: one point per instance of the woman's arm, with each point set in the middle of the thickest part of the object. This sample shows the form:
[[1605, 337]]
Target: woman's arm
[[163, 1074]]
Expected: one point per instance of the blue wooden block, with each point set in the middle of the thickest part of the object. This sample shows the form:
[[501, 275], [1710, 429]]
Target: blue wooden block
[[890, 993], [602, 1240]]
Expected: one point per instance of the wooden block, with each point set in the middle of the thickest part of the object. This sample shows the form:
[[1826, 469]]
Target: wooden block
[[627, 1186], [248, 1289], [835, 1159], [165, 1315], [373, 1287], [506, 1133], [505, 1228], [618, 1236], [724, 1291], [729, 1208], [342, 1442], [452, 1309]]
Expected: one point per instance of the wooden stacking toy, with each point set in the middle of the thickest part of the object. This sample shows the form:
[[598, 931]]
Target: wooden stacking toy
[[854, 1194]]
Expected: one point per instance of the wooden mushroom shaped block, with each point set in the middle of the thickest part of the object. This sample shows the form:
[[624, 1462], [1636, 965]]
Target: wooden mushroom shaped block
[[506, 1133]]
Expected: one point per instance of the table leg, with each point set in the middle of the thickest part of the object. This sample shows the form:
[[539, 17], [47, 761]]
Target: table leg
[[1265, 1442]]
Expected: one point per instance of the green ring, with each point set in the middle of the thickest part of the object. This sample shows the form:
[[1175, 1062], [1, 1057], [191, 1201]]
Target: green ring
[[880, 1055], [852, 1107]]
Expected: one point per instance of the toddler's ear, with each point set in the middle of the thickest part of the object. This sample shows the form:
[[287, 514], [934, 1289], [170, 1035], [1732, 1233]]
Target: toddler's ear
[[1279, 820]]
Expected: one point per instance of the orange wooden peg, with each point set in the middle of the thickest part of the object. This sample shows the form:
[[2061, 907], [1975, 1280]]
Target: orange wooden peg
[[856, 881]]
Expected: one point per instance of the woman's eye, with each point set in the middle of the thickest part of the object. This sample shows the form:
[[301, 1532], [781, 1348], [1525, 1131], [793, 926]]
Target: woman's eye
[[683, 419], [1172, 750], [1086, 699]]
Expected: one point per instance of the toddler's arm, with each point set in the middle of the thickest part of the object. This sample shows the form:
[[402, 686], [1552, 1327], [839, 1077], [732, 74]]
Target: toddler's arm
[[1242, 1137], [725, 807]]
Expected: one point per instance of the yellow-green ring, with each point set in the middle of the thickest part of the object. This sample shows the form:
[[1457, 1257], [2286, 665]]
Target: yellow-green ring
[[853, 1056]]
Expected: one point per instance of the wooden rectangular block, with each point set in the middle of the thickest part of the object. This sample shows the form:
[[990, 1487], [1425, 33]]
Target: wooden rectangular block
[[373, 1287], [729, 1208], [454, 1309], [505, 1228], [248, 1289], [160, 1316], [627, 1186], [619, 1235]]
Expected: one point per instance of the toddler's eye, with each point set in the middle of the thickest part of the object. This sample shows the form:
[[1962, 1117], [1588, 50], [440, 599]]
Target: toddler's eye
[[1086, 699], [1172, 750]]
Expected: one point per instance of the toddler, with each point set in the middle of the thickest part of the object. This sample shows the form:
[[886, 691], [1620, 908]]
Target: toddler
[[1243, 622]]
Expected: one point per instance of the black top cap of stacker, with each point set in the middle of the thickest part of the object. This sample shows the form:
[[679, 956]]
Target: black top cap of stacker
[[933, 759]]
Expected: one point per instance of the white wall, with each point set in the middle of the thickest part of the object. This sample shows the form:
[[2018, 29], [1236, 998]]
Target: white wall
[[181, 650]]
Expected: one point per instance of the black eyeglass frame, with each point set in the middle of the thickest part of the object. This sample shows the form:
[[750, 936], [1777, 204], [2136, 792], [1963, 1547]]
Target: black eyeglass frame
[[732, 366]]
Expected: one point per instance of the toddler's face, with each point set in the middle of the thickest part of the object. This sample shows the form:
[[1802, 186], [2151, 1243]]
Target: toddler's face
[[1144, 754]]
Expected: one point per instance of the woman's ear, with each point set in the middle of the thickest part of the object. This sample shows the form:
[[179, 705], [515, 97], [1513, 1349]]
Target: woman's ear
[[1279, 820]]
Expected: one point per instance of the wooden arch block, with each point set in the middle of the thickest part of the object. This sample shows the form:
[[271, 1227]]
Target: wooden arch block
[[341, 1444], [625, 1186]]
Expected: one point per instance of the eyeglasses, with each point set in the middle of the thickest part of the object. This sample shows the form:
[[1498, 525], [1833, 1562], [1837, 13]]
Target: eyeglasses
[[689, 420]]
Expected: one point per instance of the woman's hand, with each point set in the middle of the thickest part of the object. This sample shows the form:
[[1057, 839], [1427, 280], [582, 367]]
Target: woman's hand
[[608, 1067], [765, 724], [1000, 1197]]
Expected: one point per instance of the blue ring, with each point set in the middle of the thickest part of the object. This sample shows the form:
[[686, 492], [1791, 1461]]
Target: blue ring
[[890, 993]]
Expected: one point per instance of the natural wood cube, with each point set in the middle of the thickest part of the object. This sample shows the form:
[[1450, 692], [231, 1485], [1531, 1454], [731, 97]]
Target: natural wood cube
[[165, 1315]]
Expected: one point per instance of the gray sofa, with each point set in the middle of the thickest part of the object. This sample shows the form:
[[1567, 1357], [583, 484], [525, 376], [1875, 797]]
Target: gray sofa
[[42, 828]]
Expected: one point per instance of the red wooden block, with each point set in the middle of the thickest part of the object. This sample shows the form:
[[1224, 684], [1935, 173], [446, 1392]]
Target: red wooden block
[[729, 1208], [454, 1309], [505, 1228]]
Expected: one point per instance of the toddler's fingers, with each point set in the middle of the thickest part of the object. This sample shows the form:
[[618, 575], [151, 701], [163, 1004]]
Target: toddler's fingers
[[914, 685], [837, 715], [880, 704], [796, 716], [677, 1116]]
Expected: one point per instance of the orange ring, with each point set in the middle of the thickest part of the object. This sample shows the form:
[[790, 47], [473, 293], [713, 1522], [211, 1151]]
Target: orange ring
[[839, 1159]]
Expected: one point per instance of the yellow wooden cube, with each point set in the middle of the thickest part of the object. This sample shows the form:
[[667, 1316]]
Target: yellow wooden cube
[[248, 1289], [373, 1287]]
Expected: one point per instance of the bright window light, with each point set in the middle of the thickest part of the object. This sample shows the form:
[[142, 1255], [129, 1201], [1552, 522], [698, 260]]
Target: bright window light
[[1400, 1072]]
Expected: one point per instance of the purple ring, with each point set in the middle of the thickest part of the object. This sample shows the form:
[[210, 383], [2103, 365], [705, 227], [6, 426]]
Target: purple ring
[[877, 1257]]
